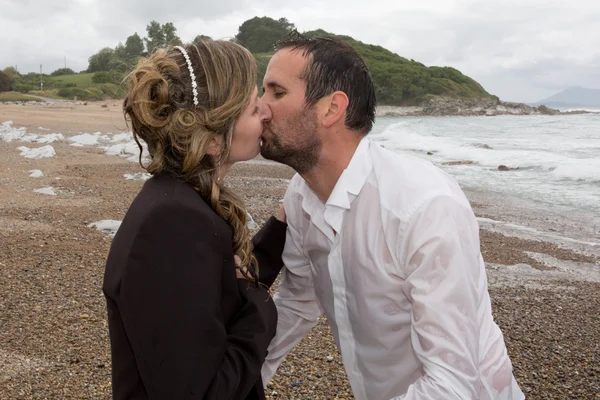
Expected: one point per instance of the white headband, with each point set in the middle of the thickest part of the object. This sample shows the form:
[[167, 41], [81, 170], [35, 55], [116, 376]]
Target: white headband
[[192, 76]]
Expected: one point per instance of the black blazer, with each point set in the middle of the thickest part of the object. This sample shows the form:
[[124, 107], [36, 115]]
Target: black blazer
[[181, 324]]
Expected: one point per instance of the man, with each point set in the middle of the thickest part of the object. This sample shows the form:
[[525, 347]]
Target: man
[[385, 244]]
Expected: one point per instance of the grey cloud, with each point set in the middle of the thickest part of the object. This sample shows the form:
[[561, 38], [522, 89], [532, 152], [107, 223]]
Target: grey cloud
[[518, 49]]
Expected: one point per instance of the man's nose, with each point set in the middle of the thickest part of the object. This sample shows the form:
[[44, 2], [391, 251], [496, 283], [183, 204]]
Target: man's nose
[[264, 110]]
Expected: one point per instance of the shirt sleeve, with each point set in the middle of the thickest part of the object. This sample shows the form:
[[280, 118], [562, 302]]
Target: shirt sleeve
[[170, 305], [444, 265], [297, 305]]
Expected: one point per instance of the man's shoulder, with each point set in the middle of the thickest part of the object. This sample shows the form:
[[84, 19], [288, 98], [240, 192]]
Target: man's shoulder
[[406, 181]]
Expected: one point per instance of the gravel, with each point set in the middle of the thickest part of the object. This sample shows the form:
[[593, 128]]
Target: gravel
[[53, 330]]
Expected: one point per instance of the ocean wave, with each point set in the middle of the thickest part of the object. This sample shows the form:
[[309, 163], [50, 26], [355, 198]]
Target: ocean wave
[[586, 173], [586, 109]]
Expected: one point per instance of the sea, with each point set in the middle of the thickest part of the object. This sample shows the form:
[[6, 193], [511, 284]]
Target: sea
[[549, 185], [549, 189]]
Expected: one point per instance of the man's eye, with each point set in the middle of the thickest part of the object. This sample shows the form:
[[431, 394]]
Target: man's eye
[[278, 94]]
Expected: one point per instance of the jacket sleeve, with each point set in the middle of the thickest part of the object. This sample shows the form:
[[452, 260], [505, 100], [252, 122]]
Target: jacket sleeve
[[268, 248], [170, 305]]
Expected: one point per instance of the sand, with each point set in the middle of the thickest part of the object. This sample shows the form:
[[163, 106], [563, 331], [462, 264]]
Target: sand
[[53, 331]]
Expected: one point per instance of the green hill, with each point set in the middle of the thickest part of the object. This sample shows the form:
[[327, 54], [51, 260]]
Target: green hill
[[399, 81], [82, 80], [83, 86]]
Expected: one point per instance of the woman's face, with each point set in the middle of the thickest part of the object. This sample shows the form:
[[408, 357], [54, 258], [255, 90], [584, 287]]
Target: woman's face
[[248, 130]]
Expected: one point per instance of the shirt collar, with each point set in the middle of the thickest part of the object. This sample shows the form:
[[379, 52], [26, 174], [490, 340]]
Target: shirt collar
[[353, 178]]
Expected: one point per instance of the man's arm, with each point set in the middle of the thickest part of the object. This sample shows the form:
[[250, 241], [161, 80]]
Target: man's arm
[[297, 306], [442, 254]]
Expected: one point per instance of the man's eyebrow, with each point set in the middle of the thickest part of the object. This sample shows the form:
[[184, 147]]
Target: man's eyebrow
[[273, 85]]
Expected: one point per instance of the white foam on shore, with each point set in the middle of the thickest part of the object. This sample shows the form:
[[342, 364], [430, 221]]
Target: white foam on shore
[[565, 269], [122, 137], [123, 145], [137, 177], [88, 139], [49, 138], [123, 149], [8, 133], [527, 277], [47, 191], [37, 153], [584, 170], [119, 144], [36, 173], [108, 226], [529, 233], [250, 222]]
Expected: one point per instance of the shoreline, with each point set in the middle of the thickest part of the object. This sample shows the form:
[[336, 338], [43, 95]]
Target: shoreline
[[446, 107], [436, 107], [53, 332]]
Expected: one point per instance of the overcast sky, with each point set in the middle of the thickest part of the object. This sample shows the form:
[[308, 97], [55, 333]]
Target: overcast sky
[[520, 50]]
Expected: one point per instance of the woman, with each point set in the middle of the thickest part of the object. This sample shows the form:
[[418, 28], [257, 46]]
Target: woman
[[184, 320]]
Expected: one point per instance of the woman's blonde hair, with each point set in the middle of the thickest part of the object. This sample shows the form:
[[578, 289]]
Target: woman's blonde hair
[[160, 106]]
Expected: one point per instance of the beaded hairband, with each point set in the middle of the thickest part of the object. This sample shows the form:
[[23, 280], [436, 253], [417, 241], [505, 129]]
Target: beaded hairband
[[191, 69]]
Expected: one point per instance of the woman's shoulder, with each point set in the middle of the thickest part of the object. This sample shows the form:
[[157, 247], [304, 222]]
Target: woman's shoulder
[[165, 199]]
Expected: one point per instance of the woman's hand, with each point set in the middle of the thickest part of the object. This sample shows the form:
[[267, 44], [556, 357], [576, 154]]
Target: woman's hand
[[281, 214], [238, 263]]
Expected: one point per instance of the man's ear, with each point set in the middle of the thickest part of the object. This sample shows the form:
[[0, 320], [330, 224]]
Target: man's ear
[[337, 104]]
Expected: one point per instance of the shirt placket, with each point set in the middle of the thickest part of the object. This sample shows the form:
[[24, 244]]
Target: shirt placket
[[342, 313]]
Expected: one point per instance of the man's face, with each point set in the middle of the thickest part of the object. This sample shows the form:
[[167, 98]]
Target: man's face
[[291, 135]]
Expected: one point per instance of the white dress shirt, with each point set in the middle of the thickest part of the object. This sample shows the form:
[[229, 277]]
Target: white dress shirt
[[393, 260]]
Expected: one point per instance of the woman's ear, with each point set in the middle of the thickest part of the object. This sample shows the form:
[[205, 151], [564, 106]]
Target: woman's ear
[[214, 147]]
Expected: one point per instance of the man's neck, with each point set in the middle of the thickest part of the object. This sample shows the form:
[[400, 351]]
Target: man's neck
[[334, 159]]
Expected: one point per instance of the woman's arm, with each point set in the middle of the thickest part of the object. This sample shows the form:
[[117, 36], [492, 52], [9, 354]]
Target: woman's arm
[[268, 247], [170, 305]]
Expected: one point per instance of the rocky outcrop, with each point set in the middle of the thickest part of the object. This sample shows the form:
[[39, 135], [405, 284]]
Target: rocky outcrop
[[444, 106]]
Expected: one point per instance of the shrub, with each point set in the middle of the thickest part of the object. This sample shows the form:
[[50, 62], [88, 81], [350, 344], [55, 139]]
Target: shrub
[[82, 94], [107, 77]]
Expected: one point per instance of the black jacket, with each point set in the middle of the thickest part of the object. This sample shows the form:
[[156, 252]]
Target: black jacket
[[181, 325]]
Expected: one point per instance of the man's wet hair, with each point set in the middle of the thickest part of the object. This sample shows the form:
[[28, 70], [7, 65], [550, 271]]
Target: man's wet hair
[[334, 65]]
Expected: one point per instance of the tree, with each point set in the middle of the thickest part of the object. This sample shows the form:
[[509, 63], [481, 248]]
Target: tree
[[12, 73], [5, 82], [120, 61], [134, 45], [62, 71], [155, 38], [161, 36], [101, 60], [260, 34], [107, 77], [201, 38], [170, 32]]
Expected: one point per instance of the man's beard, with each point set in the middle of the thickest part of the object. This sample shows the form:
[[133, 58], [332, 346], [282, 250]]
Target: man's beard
[[303, 144]]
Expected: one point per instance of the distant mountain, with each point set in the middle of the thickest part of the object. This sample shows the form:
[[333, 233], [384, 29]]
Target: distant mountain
[[573, 97]]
